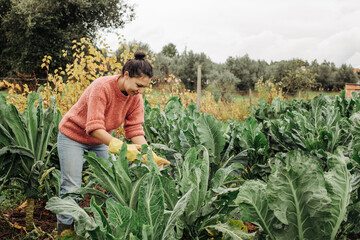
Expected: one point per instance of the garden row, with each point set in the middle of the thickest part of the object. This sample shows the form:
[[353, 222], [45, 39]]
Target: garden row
[[292, 169]]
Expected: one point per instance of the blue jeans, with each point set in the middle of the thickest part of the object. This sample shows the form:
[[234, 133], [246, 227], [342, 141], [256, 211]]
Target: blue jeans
[[71, 164]]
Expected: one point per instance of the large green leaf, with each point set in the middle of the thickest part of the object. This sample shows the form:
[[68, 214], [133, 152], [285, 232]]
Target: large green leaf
[[156, 125], [68, 207], [47, 121], [252, 200], [170, 192], [195, 174], [5, 137], [296, 193], [151, 204], [169, 232], [232, 231], [105, 177], [124, 220], [254, 140], [99, 216], [309, 203], [31, 130], [22, 161], [221, 175], [31, 120], [338, 183], [11, 158], [173, 108], [16, 150], [211, 136], [14, 120], [122, 178], [134, 194]]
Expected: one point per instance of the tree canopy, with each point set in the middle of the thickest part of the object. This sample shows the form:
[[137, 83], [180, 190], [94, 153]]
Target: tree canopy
[[241, 73], [30, 29], [169, 50]]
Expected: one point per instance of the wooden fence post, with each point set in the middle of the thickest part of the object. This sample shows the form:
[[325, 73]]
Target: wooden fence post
[[250, 96], [198, 89]]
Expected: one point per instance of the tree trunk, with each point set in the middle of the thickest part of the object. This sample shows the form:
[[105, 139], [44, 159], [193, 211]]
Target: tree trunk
[[30, 215]]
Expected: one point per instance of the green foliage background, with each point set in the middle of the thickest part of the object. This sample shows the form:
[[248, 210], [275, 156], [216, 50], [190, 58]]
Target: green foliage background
[[30, 29]]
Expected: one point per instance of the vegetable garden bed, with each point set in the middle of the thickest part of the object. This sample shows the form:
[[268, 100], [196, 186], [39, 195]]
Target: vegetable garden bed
[[292, 169]]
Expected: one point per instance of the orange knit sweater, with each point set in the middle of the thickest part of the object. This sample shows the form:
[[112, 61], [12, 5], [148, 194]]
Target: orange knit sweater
[[103, 106]]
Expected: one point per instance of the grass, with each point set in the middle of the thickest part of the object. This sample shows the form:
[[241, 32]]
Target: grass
[[306, 95], [11, 198], [4, 93], [235, 106], [303, 95]]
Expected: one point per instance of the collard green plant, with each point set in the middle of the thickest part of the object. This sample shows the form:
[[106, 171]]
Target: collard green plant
[[264, 111], [175, 131], [169, 208], [150, 220], [115, 177], [347, 106], [355, 131], [24, 141], [211, 200], [249, 146], [320, 127], [300, 200]]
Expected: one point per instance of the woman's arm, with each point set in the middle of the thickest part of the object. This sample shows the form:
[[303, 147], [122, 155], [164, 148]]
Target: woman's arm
[[102, 135], [139, 140]]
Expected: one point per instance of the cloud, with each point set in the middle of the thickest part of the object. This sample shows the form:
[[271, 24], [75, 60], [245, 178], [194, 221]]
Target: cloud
[[341, 47], [355, 58], [269, 30]]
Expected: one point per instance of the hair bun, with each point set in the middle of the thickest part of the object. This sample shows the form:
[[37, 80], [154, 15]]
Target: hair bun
[[140, 55]]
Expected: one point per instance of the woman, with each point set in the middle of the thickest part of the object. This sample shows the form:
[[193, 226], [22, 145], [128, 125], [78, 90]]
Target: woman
[[106, 104]]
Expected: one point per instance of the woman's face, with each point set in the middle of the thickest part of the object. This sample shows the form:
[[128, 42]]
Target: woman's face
[[135, 85]]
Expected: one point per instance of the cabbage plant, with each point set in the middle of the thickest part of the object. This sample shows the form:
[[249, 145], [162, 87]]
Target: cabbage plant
[[24, 153], [300, 200], [146, 218]]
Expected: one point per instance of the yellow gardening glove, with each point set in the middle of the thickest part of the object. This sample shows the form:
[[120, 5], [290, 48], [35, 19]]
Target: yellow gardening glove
[[159, 161], [115, 145], [132, 149]]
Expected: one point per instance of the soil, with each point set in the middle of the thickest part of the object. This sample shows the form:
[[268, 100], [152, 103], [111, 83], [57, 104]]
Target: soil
[[354, 237], [43, 219], [250, 227]]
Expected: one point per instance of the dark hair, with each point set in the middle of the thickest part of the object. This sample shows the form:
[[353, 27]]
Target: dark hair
[[138, 66]]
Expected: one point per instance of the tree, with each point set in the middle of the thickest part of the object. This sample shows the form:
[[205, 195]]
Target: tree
[[247, 70], [31, 29], [131, 47], [162, 66], [278, 70], [224, 81], [298, 77], [345, 74], [325, 74], [187, 66], [169, 50]]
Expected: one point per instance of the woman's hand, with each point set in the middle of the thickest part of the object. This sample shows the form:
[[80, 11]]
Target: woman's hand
[[132, 149], [159, 160]]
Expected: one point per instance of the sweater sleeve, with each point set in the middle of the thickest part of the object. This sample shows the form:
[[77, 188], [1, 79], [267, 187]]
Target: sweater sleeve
[[96, 111], [134, 120]]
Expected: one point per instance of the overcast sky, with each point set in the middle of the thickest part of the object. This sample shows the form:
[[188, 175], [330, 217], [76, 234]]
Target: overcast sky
[[263, 29]]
